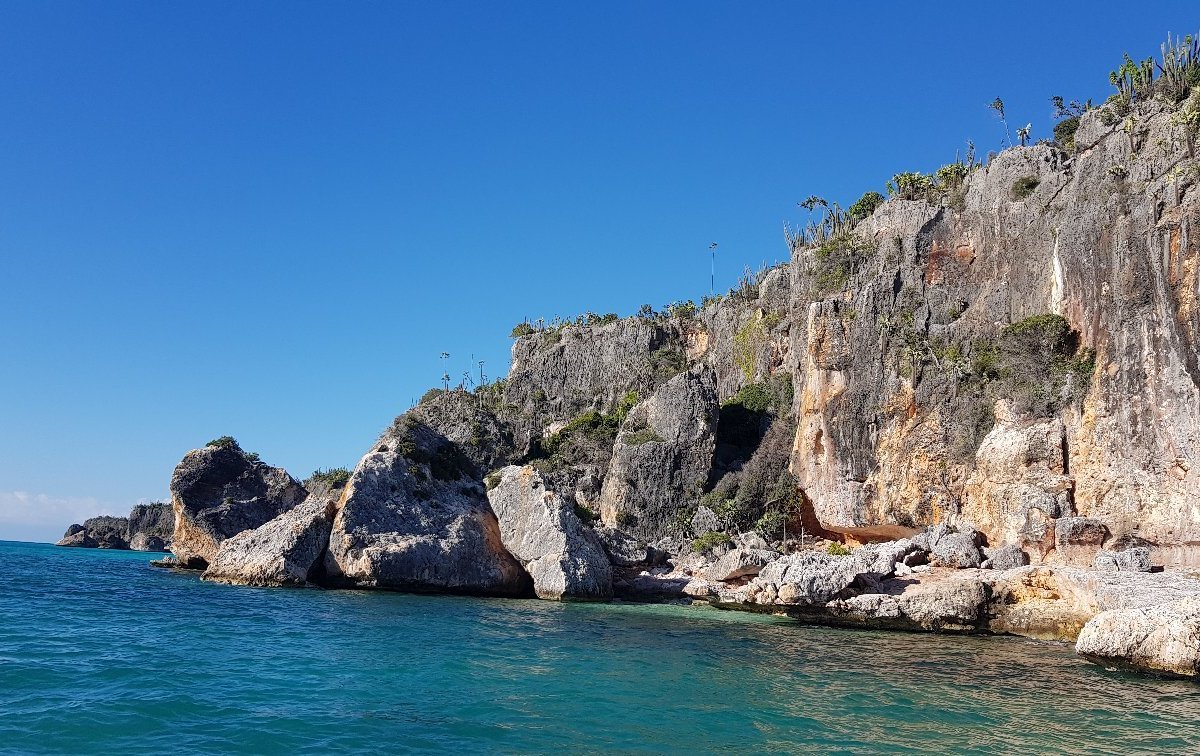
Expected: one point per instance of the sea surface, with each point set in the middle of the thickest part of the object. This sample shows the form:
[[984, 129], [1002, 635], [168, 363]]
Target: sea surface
[[101, 653]]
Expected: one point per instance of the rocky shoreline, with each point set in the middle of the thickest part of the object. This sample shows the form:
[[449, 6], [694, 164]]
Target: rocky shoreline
[[971, 407]]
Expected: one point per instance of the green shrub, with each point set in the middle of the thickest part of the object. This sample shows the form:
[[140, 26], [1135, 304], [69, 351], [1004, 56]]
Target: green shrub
[[522, 329], [224, 442], [253, 457], [710, 541], [585, 515], [335, 477], [492, 479], [641, 436], [910, 185], [680, 310], [865, 205], [1064, 132], [1024, 186], [837, 549]]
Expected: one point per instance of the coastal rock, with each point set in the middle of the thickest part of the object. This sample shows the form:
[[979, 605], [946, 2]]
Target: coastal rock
[[282, 551], [151, 526], [415, 516], [564, 558], [219, 491], [148, 528], [624, 550], [1136, 559], [741, 563], [1007, 557], [959, 550], [98, 533], [662, 457], [953, 605], [1162, 639]]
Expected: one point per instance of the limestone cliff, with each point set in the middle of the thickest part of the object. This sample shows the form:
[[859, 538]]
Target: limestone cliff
[[1018, 349]]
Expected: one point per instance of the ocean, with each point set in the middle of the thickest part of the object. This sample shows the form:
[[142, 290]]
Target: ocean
[[101, 653]]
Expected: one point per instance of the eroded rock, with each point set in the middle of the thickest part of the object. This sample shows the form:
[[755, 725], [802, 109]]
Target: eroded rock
[[218, 492], [1162, 639], [662, 457], [415, 516], [564, 558], [284, 551]]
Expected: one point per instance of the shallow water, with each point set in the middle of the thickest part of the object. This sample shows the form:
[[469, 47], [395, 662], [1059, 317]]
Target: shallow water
[[100, 653]]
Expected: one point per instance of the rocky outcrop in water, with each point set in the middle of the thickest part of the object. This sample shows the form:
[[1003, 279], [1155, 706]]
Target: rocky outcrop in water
[[287, 550], [415, 516], [564, 558], [1164, 639], [147, 528], [220, 491]]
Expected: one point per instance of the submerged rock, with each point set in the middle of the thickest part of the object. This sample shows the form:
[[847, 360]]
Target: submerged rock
[[1163, 639], [217, 492], [414, 516], [284, 551], [564, 558]]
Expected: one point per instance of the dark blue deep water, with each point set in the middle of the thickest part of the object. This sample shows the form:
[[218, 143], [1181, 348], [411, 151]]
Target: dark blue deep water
[[100, 653]]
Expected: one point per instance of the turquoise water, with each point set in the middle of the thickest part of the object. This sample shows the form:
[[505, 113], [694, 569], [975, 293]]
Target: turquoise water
[[101, 653]]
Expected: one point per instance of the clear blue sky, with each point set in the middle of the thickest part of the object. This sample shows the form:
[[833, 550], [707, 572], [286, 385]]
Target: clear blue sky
[[269, 219]]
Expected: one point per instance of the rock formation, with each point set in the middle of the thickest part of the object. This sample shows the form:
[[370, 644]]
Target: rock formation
[[564, 558], [1164, 638], [662, 457], [415, 516], [147, 528], [220, 491], [287, 550]]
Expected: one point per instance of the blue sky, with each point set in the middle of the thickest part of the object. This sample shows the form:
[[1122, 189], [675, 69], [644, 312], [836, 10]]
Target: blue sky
[[269, 219]]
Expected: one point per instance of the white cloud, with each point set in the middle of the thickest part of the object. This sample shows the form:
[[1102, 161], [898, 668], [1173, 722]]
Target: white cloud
[[42, 517]]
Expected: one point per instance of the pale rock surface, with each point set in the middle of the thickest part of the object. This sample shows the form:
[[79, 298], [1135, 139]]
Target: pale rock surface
[[662, 457], [1163, 639], [414, 516], [740, 563], [283, 551], [564, 558]]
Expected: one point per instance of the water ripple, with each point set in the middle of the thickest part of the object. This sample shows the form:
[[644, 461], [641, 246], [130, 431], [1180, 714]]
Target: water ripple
[[99, 652]]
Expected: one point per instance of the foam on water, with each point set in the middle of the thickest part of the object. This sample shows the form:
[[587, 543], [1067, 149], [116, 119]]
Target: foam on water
[[101, 653]]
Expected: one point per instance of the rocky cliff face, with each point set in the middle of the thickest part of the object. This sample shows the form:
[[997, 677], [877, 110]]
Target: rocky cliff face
[[1020, 351], [148, 527]]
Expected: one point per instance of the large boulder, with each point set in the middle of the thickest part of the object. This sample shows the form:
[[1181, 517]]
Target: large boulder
[[102, 532], [415, 516], [662, 457], [1162, 639], [284, 551], [624, 550], [741, 563], [958, 549], [1136, 559], [219, 491], [565, 558], [1006, 557]]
